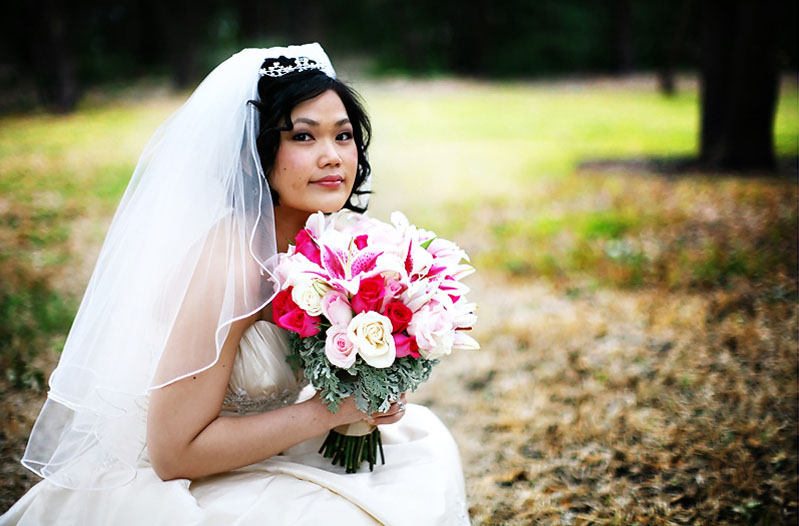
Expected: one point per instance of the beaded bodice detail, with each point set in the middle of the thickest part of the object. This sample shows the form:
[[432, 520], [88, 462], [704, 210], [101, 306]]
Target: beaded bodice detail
[[261, 379]]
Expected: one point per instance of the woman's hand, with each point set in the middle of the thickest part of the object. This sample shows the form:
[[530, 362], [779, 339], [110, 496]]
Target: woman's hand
[[349, 413], [394, 413]]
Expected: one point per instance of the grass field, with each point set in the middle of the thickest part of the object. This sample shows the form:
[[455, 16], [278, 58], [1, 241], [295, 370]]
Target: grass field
[[639, 329]]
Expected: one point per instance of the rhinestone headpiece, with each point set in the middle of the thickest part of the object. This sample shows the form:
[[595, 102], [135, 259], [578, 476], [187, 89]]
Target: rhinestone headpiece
[[299, 64]]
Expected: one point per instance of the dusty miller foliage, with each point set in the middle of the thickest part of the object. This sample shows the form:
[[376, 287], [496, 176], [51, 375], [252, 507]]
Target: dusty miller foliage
[[373, 389]]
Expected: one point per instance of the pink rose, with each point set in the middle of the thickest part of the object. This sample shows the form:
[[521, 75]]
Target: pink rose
[[300, 322], [394, 288], [336, 308], [399, 314], [406, 345], [338, 347], [305, 245], [370, 292]]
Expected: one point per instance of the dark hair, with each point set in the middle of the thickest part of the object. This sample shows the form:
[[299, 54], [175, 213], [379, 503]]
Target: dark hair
[[279, 95]]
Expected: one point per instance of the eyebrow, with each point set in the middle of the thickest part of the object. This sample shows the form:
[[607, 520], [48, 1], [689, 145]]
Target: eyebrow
[[312, 122]]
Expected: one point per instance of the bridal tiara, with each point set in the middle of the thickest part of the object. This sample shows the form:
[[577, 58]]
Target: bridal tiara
[[299, 64]]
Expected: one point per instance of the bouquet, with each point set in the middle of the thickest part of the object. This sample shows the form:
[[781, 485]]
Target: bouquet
[[371, 307]]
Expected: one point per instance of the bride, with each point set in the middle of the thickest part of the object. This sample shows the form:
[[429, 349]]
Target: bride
[[172, 402]]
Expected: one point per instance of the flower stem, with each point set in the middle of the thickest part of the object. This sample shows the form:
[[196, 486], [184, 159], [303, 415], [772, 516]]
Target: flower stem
[[352, 451]]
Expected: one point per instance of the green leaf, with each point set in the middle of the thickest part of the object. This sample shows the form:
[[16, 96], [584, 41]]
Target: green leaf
[[374, 389]]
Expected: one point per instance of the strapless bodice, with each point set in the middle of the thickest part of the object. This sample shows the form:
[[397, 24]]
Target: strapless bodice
[[261, 379]]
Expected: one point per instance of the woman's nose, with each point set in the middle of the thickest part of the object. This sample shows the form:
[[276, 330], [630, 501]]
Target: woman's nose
[[329, 156]]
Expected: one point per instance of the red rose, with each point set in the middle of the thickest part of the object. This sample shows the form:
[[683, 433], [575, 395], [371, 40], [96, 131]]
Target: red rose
[[406, 346], [307, 247], [399, 314], [370, 293], [282, 304], [300, 322]]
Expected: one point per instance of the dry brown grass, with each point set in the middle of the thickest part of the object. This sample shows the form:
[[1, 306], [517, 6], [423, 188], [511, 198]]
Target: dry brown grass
[[599, 399], [612, 408], [626, 407]]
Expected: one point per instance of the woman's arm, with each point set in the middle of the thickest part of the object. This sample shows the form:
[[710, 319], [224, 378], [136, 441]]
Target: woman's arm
[[187, 438]]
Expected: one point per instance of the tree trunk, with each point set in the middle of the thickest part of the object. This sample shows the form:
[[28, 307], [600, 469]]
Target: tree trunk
[[739, 83], [250, 18], [622, 38], [666, 81], [308, 21], [182, 24], [52, 50]]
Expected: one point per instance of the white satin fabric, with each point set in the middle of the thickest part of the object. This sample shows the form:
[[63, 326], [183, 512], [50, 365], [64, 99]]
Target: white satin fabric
[[420, 484]]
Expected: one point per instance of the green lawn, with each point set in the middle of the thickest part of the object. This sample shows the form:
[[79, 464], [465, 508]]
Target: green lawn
[[434, 142], [81, 160], [451, 141]]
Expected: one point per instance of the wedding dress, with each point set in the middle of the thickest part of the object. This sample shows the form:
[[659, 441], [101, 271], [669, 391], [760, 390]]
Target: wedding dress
[[420, 484]]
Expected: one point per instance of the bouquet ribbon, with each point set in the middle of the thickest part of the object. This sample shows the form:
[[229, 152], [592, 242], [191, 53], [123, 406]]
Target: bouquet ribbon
[[356, 429]]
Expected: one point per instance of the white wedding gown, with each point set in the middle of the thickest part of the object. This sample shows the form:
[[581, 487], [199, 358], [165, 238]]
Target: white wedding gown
[[420, 484]]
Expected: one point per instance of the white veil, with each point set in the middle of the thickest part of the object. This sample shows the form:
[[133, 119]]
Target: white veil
[[185, 255]]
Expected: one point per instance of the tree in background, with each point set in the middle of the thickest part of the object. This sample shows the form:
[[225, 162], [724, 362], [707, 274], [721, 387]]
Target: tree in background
[[55, 47], [675, 44], [51, 53], [739, 83], [622, 38]]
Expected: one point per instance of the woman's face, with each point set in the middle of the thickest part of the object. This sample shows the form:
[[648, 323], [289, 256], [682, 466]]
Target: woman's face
[[316, 161]]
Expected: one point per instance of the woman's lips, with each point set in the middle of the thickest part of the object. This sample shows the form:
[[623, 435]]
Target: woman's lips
[[329, 181]]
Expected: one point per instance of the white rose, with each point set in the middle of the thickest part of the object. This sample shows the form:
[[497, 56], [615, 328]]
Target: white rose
[[308, 296], [370, 332]]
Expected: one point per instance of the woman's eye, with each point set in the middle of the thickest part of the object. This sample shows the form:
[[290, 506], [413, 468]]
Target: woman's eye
[[302, 136], [344, 136]]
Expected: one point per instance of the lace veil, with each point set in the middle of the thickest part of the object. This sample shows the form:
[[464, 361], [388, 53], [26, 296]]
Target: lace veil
[[186, 255]]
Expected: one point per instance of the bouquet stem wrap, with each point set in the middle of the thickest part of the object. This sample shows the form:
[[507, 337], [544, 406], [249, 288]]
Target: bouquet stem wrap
[[353, 444], [356, 429]]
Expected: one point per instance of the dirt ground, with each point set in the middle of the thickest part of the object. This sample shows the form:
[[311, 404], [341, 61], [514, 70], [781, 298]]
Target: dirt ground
[[602, 407]]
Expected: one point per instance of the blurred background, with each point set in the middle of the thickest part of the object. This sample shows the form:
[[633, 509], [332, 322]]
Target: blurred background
[[53, 50], [623, 174]]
